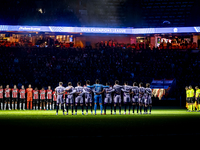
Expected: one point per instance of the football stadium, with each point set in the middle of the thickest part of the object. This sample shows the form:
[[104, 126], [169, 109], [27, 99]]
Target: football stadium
[[89, 69]]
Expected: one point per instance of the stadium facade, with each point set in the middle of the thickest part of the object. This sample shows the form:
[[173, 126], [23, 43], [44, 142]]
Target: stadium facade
[[83, 36]]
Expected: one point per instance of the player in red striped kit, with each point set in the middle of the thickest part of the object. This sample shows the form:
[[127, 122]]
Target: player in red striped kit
[[22, 97], [7, 97], [49, 97], [42, 98], [54, 98], [1, 96], [35, 99], [14, 97]]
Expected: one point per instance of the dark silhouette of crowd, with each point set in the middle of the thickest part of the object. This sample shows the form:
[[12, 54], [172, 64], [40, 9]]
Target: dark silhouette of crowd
[[47, 66]]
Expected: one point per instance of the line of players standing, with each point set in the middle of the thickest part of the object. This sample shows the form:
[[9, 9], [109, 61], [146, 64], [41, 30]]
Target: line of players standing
[[31, 97], [141, 97]]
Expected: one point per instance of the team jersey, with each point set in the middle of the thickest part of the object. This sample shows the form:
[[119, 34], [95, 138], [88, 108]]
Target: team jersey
[[79, 89], [29, 92], [135, 91], [71, 90], [7, 92], [108, 91], [35, 94], [1, 93], [88, 91], [148, 92], [118, 89], [198, 93], [22, 93], [126, 89], [60, 89], [192, 93], [54, 96], [14, 93], [141, 91], [97, 88], [188, 93], [42, 94], [49, 94]]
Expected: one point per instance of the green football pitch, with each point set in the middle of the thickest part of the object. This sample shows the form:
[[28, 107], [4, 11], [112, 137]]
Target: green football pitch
[[163, 121]]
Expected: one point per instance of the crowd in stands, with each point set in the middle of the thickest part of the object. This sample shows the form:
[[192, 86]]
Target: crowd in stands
[[47, 66]]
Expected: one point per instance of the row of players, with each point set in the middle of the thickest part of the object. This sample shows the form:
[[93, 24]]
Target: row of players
[[192, 98], [141, 96]]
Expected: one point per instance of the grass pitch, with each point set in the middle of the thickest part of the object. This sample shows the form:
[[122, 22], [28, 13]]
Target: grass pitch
[[45, 124]]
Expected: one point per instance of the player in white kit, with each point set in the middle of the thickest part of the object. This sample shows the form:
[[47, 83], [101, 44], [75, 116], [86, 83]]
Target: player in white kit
[[70, 97], [60, 90], [141, 96], [79, 97], [148, 100], [88, 96], [117, 96], [108, 97], [127, 98], [135, 97]]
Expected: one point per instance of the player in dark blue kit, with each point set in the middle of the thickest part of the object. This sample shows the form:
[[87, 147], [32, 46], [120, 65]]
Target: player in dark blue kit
[[98, 90]]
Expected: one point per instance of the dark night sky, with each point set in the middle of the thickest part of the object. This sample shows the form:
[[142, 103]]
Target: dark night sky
[[107, 13]]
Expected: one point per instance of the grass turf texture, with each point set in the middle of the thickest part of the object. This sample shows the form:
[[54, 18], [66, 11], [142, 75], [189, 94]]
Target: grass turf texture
[[162, 122]]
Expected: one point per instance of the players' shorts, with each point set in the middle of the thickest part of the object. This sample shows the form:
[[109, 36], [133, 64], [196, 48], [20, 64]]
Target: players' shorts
[[135, 99], [22, 100], [141, 100], [70, 99], [188, 100], [98, 99], [29, 99], [79, 99], [192, 100], [49, 100], [148, 101], [7, 99], [117, 99], [60, 99], [14, 99], [198, 100], [88, 100], [1, 100], [35, 101], [43, 100], [127, 99], [108, 100]]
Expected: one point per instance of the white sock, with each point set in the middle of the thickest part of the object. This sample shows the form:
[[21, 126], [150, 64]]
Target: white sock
[[15, 106], [53, 106], [47, 106], [8, 106], [37, 107], [1, 106], [33, 107], [12, 106], [60, 106], [44, 107], [23, 106], [40, 107], [4, 106], [50, 106], [20, 105]]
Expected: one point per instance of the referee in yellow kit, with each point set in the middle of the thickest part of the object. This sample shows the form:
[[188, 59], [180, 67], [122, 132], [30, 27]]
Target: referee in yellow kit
[[192, 99]]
